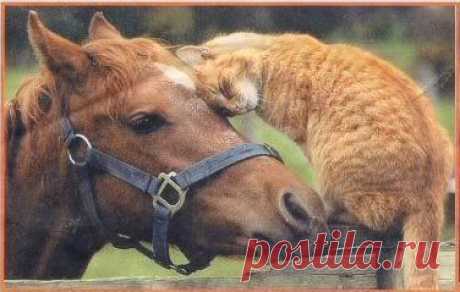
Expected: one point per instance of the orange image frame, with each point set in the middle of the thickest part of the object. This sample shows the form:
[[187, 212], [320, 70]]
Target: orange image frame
[[3, 154]]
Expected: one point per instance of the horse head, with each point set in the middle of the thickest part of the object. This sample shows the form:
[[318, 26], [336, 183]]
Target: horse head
[[134, 99]]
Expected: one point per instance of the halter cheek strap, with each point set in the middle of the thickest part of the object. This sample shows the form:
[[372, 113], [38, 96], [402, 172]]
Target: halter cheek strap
[[168, 191]]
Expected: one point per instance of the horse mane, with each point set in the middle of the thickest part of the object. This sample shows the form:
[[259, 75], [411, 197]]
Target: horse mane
[[123, 60], [28, 97], [117, 64]]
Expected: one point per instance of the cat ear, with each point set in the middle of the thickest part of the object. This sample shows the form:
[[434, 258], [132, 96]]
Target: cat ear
[[101, 28], [61, 56], [193, 55]]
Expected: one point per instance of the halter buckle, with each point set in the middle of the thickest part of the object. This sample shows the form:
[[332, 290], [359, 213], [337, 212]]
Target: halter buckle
[[170, 194]]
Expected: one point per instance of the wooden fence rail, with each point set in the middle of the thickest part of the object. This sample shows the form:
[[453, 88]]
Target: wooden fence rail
[[309, 278]]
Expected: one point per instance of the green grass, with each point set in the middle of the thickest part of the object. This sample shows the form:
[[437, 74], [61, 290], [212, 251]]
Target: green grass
[[15, 78], [111, 262], [446, 111], [289, 151]]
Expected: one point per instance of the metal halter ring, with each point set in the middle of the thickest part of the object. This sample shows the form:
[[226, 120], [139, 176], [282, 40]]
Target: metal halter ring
[[166, 180], [72, 140]]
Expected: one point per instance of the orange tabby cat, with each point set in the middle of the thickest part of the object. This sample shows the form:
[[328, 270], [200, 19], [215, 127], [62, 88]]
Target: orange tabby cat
[[371, 135]]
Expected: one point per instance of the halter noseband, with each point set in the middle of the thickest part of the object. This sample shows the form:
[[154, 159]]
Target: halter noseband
[[168, 191]]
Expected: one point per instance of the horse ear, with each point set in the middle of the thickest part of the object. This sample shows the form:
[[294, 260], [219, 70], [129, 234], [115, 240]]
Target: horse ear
[[193, 55], [101, 28], [59, 55]]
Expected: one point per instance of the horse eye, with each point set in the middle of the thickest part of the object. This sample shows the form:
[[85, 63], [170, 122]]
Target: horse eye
[[44, 102], [147, 123]]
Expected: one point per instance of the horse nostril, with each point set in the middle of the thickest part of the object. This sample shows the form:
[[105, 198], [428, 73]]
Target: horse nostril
[[294, 212]]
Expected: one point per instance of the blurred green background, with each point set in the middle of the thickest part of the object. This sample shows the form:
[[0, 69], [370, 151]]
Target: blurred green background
[[420, 41]]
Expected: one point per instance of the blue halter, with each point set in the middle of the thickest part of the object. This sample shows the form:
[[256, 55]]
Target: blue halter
[[168, 191]]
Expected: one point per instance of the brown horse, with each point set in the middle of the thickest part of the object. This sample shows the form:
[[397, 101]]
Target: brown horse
[[135, 100]]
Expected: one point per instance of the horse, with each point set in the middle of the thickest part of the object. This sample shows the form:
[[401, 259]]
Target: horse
[[135, 100]]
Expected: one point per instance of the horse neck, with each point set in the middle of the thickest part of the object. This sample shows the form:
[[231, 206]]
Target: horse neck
[[48, 234]]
